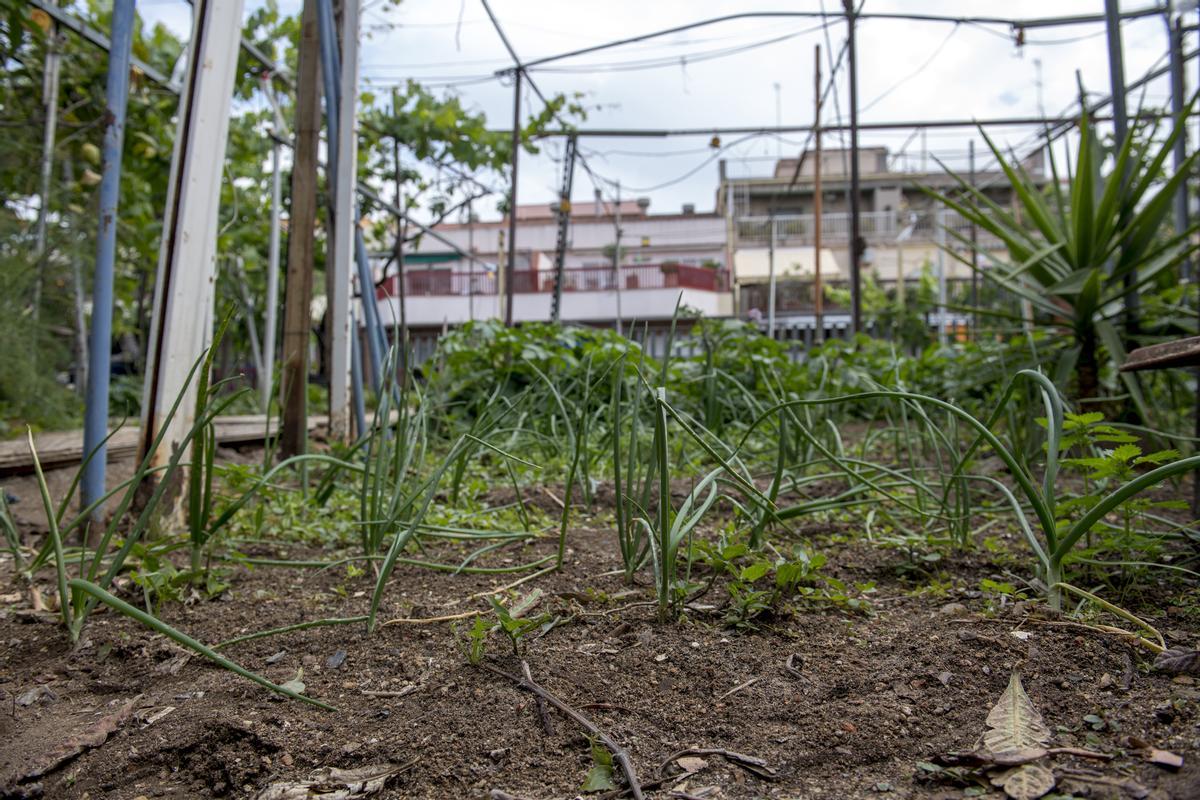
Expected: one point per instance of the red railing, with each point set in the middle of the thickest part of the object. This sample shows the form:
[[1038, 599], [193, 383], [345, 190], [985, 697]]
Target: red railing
[[431, 282]]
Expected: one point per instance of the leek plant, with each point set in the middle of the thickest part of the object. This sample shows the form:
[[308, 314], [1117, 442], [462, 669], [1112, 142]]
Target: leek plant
[[670, 527], [78, 605], [1050, 539]]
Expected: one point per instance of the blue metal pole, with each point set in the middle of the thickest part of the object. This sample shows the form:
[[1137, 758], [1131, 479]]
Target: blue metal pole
[[327, 36], [95, 425], [356, 378], [330, 70]]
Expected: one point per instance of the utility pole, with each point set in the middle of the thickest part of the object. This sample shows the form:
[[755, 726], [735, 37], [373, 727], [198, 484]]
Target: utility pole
[[116, 96], [270, 324], [512, 201], [771, 274], [818, 299], [1116, 72], [302, 221], [778, 118], [856, 242]]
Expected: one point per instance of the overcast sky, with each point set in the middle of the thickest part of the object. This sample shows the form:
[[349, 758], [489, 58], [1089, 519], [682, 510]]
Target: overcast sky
[[907, 71]]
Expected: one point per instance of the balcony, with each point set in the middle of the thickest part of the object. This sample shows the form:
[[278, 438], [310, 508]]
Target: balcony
[[449, 283]]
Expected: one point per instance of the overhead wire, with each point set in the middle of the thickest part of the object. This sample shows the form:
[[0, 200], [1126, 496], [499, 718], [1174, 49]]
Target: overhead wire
[[674, 60], [924, 66]]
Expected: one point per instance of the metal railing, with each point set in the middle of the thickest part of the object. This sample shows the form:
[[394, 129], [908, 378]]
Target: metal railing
[[795, 296], [668, 275], [878, 228]]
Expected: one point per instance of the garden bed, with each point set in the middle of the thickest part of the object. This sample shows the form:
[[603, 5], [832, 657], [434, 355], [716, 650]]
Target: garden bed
[[852, 693]]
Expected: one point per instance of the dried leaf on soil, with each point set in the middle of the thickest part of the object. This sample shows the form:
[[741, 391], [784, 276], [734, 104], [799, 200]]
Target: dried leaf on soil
[[91, 736], [1014, 722], [1163, 758], [334, 784], [1027, 782], [296, 684], [1178, 662]]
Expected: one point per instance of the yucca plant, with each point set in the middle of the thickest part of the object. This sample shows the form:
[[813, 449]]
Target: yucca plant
[[1071, 249]]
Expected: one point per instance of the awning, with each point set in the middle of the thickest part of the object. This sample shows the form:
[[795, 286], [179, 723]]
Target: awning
[[753, 264]]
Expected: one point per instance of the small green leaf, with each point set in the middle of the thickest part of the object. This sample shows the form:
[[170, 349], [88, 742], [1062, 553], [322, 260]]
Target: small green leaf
[[755, 571], [599, 779], [296, 684]]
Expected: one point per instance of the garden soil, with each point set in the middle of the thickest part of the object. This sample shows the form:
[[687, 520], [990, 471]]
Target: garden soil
[[828, 701]]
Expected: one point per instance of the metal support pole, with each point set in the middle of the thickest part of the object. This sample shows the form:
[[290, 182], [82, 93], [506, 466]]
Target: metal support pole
[[940, 234], [771, 275], [1116, 73], [401, 337], [356, 380], [818, 297], [510, 266], [181, 325], [116, 94], [856, 242], [974, 244], [1179, 155], [339, 115], [50, 83], [564, 227], [269, 326], [617, 258], [470, 262]]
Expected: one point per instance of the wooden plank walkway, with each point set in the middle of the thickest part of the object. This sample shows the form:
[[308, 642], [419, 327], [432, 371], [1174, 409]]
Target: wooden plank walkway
[[1181, 353], [65, 448]]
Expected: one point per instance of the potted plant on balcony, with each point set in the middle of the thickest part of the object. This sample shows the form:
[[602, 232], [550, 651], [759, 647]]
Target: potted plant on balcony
[[670, 271], [718, 276]]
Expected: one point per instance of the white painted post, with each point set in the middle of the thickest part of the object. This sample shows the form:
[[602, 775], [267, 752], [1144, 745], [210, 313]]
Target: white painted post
[[771, 276], [940, 221], [345, 219], [267, 378], [183, 293]]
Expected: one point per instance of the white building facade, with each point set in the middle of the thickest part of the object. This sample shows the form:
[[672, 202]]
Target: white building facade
[[664, 258]]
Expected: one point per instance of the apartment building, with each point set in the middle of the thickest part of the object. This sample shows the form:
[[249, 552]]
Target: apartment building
[[769, 206], [621, 263]]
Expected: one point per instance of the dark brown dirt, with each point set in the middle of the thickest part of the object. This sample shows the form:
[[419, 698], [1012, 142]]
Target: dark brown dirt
[[877, 693]]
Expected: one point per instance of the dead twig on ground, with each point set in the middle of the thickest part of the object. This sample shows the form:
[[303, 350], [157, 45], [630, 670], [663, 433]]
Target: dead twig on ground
[[432, 620], [501, 589], [739, 687], [405, 692], [541, 703], [1015, 758], [752, 764], [554, 497], [619, 753], [789, 666], [607, 707]]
